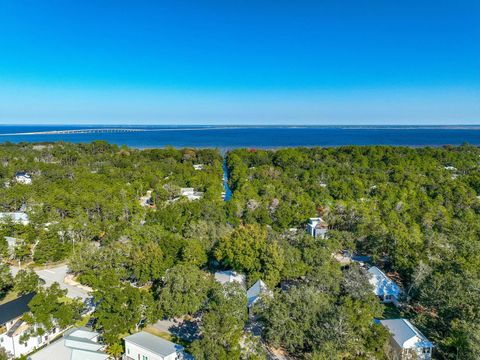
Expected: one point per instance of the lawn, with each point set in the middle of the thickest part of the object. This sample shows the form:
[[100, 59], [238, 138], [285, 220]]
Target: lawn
[[390, 311], [12, 295]]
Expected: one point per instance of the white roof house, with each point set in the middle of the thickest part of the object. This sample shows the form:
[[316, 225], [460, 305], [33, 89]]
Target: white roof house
[[143, 345], [407, 341], [228, 276], [317, 227], [76, 344], [383, 286], [191, 194], [256, 291], [23, 178], [198, 166], [17, 217]]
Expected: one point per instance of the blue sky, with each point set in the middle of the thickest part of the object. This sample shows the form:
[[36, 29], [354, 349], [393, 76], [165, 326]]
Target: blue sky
[[240, 62]]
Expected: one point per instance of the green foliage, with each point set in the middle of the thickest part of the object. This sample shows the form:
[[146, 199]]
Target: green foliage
[[120, 308], [249, 250], [403, 206], [222, 325], [49, 308], [26, 281], [184, 291], [6, 280]]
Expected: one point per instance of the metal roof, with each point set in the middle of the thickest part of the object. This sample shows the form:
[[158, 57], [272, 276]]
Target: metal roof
[[382, 284], [403, 330], [154, 343], [15, 308]]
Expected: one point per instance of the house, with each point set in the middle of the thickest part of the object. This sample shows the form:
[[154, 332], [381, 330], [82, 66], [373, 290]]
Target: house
[[406, 341], [317, 227], [76, 344], [12, 328], [198, 166], [228, 276], [191, 194], [450, 168], [383, 286], [23, 178], [145, 346], [17, 217], [256, 292]]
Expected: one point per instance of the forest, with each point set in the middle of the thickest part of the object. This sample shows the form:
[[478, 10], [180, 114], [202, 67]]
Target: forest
[[414, 211]]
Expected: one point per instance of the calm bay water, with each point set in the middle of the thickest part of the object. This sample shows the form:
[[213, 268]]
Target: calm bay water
[[253, 137]]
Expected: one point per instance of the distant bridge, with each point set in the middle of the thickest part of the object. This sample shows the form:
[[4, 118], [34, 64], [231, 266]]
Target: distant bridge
[[79, 131], [117, 130]]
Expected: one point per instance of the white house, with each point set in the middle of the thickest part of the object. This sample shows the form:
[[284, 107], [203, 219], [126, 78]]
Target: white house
[[191, 194], [383, 286], [198, 166], [145, 346], [407, 342], [17, 217], [12, 328], [317, 227], [76, 344], [228, 276], [255, 293], [23, 178]]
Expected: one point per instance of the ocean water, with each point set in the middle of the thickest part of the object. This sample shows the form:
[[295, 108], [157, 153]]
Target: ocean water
[[228, 137]]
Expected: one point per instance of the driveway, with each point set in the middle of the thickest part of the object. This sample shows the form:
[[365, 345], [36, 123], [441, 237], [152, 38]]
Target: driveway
[[57, 274], [186, 330]]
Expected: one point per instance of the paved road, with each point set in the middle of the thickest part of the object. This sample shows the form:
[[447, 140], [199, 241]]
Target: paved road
[[57, 274]]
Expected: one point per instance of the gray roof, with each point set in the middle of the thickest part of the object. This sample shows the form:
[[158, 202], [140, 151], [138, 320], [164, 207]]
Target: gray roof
[[154, 343], [256, 290], [403, 330], [15, 308], [228, 276], [76, 344]]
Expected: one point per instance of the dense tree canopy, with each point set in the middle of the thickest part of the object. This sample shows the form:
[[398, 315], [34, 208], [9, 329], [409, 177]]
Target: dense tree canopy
[[414, 211]]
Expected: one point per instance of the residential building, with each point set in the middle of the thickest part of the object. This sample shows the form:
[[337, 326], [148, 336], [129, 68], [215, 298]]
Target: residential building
[[145, 346], [12, 328], [76, 344], [17, 217], [191, 194], [255, 293], [317, 227], [406, 341], [198, 166], [23, 178], [383, 286], [228, 276]]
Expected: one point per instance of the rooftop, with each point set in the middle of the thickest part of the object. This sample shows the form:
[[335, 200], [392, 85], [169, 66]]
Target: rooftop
[[15, 308], [382, 284], [76, 344], [154, 343], [256, 290], [227, 276], [405, 333]]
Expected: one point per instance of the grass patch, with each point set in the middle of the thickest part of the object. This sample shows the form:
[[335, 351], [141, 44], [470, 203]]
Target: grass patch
[[390, 311], [83, 321], [11, 295], [154, 331]]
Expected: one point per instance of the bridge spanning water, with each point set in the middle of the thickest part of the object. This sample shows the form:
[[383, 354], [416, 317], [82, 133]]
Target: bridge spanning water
[[80, 131]]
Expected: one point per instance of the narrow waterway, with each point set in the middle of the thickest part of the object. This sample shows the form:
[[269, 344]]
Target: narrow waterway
[[228, 191]]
